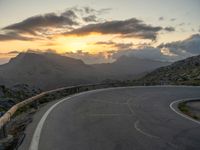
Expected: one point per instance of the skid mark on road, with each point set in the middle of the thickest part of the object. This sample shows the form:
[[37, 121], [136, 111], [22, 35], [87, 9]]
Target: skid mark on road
[[168, 144], [129, 107]]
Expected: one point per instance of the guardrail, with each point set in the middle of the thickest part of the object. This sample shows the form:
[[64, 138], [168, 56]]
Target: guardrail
[[70, 90]]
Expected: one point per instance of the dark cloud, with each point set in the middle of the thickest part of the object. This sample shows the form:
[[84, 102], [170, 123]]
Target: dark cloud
[[89, 10], [161, 18], [14, 36], [10, 53], [173, 19], [14, 52], [36, 23], [110, 56], [169, 29], [151, 53], [42, 25], [101, 57], [165, 52], [126, 28], [182, 24], [91, 18], [119, 46], [185, 48]]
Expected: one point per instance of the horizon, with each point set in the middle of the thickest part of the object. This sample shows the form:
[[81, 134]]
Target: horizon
[[53, 53]]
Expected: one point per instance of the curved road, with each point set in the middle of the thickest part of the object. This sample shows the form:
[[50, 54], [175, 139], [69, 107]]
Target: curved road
[[132, 118]]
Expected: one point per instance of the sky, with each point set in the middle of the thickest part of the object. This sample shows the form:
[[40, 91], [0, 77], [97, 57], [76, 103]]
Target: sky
[[101, 31]]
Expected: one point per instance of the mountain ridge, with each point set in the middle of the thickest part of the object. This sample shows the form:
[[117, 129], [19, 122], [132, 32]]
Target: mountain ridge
[[186, 71], [50, 70]]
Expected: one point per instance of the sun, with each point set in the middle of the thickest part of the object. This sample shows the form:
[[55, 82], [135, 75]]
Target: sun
[[71, 44], [84, 43], [77, 45]]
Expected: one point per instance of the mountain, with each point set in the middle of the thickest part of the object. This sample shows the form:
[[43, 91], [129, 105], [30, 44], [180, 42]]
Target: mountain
[[48, 70], [186, 72], [128, 67], [45, 70]]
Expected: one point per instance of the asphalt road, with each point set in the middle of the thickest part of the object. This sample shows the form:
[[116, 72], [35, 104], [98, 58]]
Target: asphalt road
[[120, 119]]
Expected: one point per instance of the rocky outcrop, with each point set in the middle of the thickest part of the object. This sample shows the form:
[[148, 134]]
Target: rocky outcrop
[[9, 96]]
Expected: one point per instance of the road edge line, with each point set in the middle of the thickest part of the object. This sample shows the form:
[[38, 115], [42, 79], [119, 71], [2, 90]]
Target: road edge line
[[177, 111]]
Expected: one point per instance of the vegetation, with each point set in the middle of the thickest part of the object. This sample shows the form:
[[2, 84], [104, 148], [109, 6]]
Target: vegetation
[[183, 107], [184, 72]]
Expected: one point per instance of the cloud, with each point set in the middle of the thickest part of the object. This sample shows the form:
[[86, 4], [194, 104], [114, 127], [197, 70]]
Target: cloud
[[10, 53], [161, 18], [169, 29], [189, 45], [80, 22], [91, 18], [5, 57], [173, 19], [119, 46], [35, 24], [38, 27], [88, 58], [169, 52], [181, 24], [14, 36], [43, 26], [91, 11], [151, 53], [112, 55], [126, 28], [14, 52]]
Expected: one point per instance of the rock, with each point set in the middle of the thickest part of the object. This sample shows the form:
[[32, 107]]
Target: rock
[[11, 96]]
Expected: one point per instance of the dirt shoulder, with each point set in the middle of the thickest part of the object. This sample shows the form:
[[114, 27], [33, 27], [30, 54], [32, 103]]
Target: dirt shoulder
[[191, 108]]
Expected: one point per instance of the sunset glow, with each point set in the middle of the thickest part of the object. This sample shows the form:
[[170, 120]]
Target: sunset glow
[[97, 29]]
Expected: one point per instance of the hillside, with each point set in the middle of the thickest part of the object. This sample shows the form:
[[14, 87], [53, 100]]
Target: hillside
[[186, 72], [126, 67], [45, 70], [12, 95], [48, 70]]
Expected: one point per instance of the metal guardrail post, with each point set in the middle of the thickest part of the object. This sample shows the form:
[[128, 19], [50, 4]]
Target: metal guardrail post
[[3, 132], [36, 104]]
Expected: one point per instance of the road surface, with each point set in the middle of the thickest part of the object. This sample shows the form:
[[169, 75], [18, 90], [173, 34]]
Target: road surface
[[132, 118]]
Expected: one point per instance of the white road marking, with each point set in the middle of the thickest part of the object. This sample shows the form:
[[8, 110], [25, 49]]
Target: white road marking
[[36, 136], [179, 112], [144, 133]]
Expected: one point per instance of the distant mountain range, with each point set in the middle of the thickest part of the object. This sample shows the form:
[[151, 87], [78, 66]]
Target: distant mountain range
[[128, 67], [48, 70], [185, 72]]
